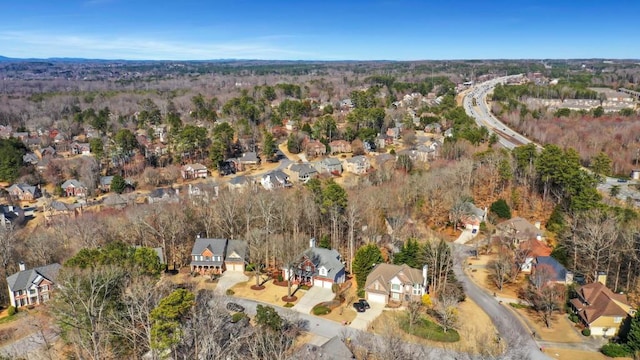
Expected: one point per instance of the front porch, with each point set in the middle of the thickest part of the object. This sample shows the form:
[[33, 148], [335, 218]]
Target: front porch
[[208, 269]]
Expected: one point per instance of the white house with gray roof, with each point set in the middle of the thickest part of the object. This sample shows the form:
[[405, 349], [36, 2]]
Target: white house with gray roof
[[218, 255], [316, 267], [33, 286]]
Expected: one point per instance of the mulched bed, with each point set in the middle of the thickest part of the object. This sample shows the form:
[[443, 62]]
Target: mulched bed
[[257, 287], [289, 299]]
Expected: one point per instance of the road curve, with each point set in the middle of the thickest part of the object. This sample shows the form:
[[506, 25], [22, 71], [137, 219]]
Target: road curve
[[520, 342]]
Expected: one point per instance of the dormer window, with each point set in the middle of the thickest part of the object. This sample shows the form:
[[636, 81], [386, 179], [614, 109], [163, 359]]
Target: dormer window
[[322, 271]]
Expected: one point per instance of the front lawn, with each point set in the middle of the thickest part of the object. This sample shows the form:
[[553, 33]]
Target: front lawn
[[427, 329]]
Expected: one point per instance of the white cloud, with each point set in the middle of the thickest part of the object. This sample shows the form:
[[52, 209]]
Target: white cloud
[[30, 44]]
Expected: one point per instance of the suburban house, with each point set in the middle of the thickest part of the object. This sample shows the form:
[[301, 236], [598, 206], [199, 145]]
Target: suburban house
[[218, 255], [248, 159], [383, 140], [554, 271], [314, 148], [24, 192], [334, 348], [600, 309], [329, 165], [358, 165], [30, 158], [168, 195], [518, 230], [316, 267], [472, 217], [275, 179], [531, 249], [397, 283], [194, 171], [393, 133], [239, 183], [11, 215], [33, 286], [302, 172], [80, 148], [74, 187], [340, 146], [105, 183]]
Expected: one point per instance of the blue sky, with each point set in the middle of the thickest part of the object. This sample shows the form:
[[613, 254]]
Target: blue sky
[[322, 30]]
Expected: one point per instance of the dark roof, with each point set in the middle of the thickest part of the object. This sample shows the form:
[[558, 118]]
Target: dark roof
[[72, 182], [560, 271], [335, 348], [237, 246], [600, 301], [303, 169], [328, 258], [21, 280], [216, 246], [239, 180], [106, 180]]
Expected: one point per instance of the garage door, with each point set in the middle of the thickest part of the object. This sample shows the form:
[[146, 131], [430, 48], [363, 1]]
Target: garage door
[[322, 283], [235, 267], [376, 298]]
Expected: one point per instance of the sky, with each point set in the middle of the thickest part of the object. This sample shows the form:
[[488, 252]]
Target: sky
[[319, 30]]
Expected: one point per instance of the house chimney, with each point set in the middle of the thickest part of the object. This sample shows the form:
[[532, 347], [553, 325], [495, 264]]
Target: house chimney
[[601, 277], [22, 266], [312, 242], [425, 270]]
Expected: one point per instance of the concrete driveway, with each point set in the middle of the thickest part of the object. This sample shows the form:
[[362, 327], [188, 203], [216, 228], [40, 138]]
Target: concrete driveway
[[313, 297], [228, 279], [363, 319]]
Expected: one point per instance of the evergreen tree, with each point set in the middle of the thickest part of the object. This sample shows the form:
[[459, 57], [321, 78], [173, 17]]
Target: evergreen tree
[[366, 258], [501, 208], [118, 184], [409, 254], [633, 336], [166, 328]]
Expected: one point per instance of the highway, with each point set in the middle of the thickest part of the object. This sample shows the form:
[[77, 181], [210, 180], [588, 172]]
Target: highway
[[507, 137]]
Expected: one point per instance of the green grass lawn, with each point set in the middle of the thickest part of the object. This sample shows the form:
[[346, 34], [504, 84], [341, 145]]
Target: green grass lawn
[[427, 329]]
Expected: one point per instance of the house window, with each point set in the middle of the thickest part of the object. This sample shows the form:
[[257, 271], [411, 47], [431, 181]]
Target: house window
[[416, 289], [307, 268], [395, 287], [32, 291], [395, 296], [44, 288], [617, 319]]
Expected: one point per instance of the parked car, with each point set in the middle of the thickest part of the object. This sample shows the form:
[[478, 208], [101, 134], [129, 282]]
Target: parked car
[[358, 306], [364, 303], [235, 307], [622, 180]]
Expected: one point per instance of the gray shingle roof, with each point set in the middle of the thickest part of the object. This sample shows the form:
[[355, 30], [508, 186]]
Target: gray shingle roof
[[21, 280], [217, 246], [303, 169], [237, 246], [328, 258], [72, 182]]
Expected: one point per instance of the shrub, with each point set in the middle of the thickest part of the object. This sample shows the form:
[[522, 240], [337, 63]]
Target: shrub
[[230, 292], [237, 317], [360, 293], [586, 332], [335, 288], [289, 305], [280, 278], [615, 350], [320, 310], [304, 287], [501, 208], [12, 310], [250, 267], [573, 318]]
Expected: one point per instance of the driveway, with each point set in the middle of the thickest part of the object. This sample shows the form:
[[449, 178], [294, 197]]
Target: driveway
[[312, 297], [465, 236], [228, 279], [363, 319]]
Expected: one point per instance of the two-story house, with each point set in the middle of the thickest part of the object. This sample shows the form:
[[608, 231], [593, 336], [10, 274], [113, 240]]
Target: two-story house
[[316, 267], [358, 165], [33, 286], [396, 283], [275, 179], [194, 171], [600, 309], [302, 172], [329, 165], [24, 192], [74, 187], [218, 255]]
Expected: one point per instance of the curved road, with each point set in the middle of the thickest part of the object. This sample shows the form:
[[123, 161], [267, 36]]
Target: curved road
[[520, 342]]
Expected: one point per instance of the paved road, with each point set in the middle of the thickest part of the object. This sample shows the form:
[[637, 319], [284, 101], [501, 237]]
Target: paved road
[[517, 336]]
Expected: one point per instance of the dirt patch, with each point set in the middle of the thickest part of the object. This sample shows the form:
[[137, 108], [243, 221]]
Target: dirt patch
[[576, 354], [272, 294], [480, 274], [562, 330]]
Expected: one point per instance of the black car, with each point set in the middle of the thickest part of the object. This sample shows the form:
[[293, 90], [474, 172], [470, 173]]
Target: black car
[[235, 307], [364, 303], [358, 306]]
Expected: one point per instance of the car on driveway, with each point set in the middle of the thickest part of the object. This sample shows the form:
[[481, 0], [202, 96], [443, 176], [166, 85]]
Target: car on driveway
[[358, 306], [235, 307], [364, 303]]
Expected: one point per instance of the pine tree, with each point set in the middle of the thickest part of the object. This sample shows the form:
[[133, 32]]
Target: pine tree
[[364, 261]]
